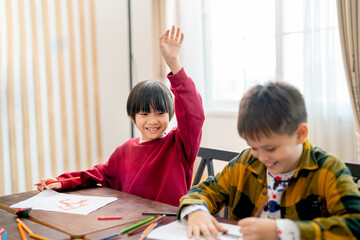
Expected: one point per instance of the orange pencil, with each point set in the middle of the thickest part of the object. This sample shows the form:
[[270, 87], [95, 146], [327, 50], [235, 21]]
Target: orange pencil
[[24, 226], [33, 235], [260, 209], [22, 234], [61, 180], [147, 230]]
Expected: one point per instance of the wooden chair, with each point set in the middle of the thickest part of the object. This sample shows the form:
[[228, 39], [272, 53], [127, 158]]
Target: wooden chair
[[209, 154]]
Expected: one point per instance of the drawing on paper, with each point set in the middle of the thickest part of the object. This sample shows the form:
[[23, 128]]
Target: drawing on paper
[[51, 200]]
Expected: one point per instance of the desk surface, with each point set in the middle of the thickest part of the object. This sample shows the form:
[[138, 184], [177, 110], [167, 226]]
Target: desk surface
[[8, 222], [128, 206]]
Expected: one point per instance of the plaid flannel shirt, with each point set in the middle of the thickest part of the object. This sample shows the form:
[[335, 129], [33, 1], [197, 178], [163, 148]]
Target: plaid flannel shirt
[[321, 198]]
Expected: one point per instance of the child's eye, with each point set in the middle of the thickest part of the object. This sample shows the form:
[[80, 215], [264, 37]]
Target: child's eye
[[161, 113], [143, 113], [270, 149]]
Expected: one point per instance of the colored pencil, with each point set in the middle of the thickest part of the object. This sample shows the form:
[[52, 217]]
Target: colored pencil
[[5, 236], [109, 217], [108, 237], [61, 180], [22, 234], [159, 213], [2, 230], [147, 230], [24, 226], [33, 235], [125, 223], [137, 224], [141, 227], [260, 209]]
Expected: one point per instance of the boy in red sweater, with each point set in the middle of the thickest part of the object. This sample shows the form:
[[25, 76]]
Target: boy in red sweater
[[157, 165]]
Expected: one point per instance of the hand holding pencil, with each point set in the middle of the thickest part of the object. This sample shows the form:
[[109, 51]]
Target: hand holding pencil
[[52, 183]]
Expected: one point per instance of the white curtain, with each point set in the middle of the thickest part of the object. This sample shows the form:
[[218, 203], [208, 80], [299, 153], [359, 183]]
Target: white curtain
[[317, 71], [331, 123]]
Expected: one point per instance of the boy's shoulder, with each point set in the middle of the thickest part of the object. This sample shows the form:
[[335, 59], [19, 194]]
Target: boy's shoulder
[[326, 160], [245, 158]]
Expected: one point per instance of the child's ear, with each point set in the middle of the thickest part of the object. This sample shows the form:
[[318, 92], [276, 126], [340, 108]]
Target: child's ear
[[302, 133]]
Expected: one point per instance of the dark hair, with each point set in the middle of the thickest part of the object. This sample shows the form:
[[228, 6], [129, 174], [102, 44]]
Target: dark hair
[[275, 107], [150, 93]]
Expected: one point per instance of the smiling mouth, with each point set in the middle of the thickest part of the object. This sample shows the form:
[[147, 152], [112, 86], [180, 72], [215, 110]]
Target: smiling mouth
[[153, 129], [270, 165]]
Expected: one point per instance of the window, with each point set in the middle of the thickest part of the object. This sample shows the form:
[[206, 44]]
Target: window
[[250, 42], [235, 44]]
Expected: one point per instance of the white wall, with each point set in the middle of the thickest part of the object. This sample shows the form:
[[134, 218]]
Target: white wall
[[113, 64]]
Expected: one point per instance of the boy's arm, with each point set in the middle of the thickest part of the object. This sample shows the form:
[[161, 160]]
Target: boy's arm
[[188, 103], [103, 174], [342, 200], [212, 194]]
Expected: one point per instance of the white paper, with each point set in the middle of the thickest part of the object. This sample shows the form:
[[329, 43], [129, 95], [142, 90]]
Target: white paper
[[178, 231], [50, 200]]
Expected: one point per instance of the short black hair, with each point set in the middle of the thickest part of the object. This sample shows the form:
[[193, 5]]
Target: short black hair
[[275, 107], [150, 93]]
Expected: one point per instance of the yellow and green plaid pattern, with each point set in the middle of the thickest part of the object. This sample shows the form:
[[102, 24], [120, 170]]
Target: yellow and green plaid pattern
[[321, 198]]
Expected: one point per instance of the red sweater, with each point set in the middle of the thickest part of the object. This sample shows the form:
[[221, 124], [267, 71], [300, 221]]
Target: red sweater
[[161, 169]]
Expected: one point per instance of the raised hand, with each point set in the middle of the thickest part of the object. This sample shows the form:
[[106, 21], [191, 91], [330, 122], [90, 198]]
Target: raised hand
[[170, 44]]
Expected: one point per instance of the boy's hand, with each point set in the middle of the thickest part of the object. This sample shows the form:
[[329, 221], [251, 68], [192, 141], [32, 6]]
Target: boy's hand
[[201, 222], [258, 228], [54, 186], [170, 44]]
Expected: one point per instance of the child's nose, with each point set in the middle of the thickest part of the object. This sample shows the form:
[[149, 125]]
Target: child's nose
[[262, 157], [153, 120]]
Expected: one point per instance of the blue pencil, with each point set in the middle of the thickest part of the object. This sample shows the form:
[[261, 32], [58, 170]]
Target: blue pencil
[[5, 235], [111, 236]]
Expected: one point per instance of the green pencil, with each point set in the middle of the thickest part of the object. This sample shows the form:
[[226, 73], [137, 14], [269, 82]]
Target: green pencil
[[137, 224]]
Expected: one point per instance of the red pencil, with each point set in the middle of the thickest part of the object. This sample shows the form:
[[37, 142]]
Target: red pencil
[[61, 180], [109, 217]]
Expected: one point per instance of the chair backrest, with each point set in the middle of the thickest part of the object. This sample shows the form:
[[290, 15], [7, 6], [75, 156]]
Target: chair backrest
[[355, 171], [207, 155]]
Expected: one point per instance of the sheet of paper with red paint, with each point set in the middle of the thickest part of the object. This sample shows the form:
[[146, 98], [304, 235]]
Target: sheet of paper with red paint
[[50, 200]]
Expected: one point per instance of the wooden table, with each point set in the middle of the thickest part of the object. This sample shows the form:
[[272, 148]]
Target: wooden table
[[109, 232], [128, 206], [9, 223]]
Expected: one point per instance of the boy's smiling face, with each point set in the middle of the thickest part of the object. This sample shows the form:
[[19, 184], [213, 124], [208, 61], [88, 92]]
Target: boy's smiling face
[[152, 125], [279, 153]]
